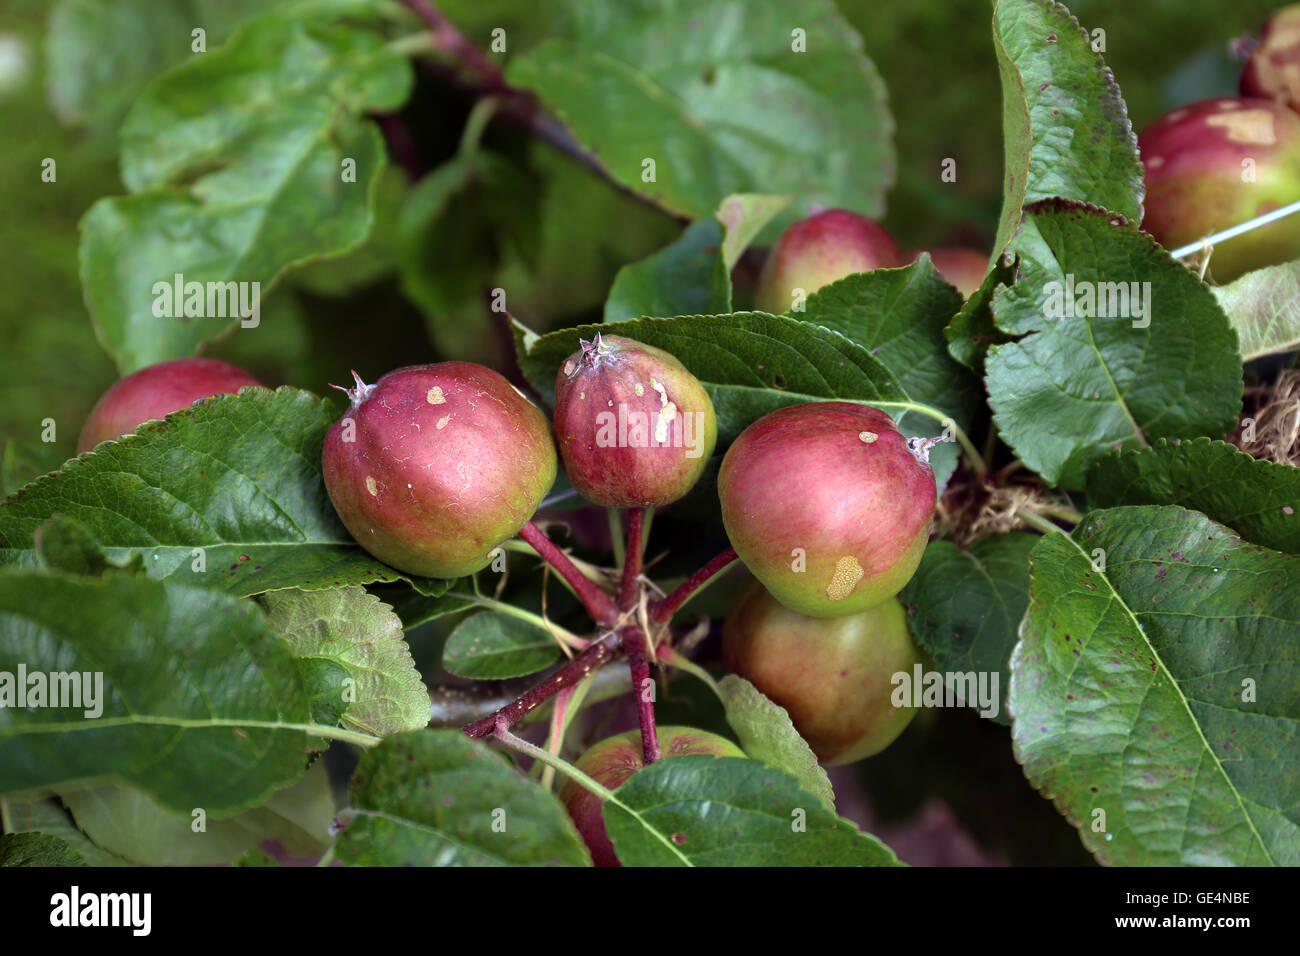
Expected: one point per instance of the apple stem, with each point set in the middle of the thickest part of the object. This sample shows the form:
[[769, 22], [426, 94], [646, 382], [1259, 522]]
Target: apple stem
[[674, 658], [1064, 512], [598, 604], [664, 609], [634, 646], [632, 560], [555, 739], [503, 734], [598, 654], [1038, 522]]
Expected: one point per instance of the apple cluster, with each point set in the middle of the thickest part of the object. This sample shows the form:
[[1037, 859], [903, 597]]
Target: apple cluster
[[433, 467]]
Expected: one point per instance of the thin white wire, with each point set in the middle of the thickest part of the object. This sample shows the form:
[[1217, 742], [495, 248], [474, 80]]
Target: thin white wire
[[1247, 226]]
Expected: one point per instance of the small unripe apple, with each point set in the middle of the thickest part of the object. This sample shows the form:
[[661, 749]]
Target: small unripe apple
[[635, 428], [1218, 163], [827, 505], [961, 267], [1273, 70], [611, 762], [155, 392], [433, 466], [817, 251], [834, 677]]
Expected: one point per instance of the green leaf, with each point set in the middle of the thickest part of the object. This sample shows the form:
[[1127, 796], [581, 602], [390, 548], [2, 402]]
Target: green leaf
[[125, 821], [750, 363], [368, 264], [254, 858], [767, 735], [965, 607], [437, 798], [184, 692], [1065, 125], [415, 609], [1160, 697], [362, 635], [899, 315], [972, 330], [1075, 387], [692, 276], [686, 278], [744, 217], [714, 92], [101, 55], [36, 813], [226, 494], [327, 684], [1260, 500], [66, 545], [37, 849], [492, 646], [235, 160], [700, 810], [1264, 307]]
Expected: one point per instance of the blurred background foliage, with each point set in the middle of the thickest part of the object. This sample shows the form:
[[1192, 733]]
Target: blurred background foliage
[[528, 220], [517, 214]]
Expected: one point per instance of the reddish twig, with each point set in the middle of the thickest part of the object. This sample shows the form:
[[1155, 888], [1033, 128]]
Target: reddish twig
[[627, 593], [598, 604], [665, 608], [598, 654], [449, 38], [634, 646]]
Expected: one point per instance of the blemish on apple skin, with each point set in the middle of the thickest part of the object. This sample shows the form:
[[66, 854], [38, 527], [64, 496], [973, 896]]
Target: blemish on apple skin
[[848, 572]]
